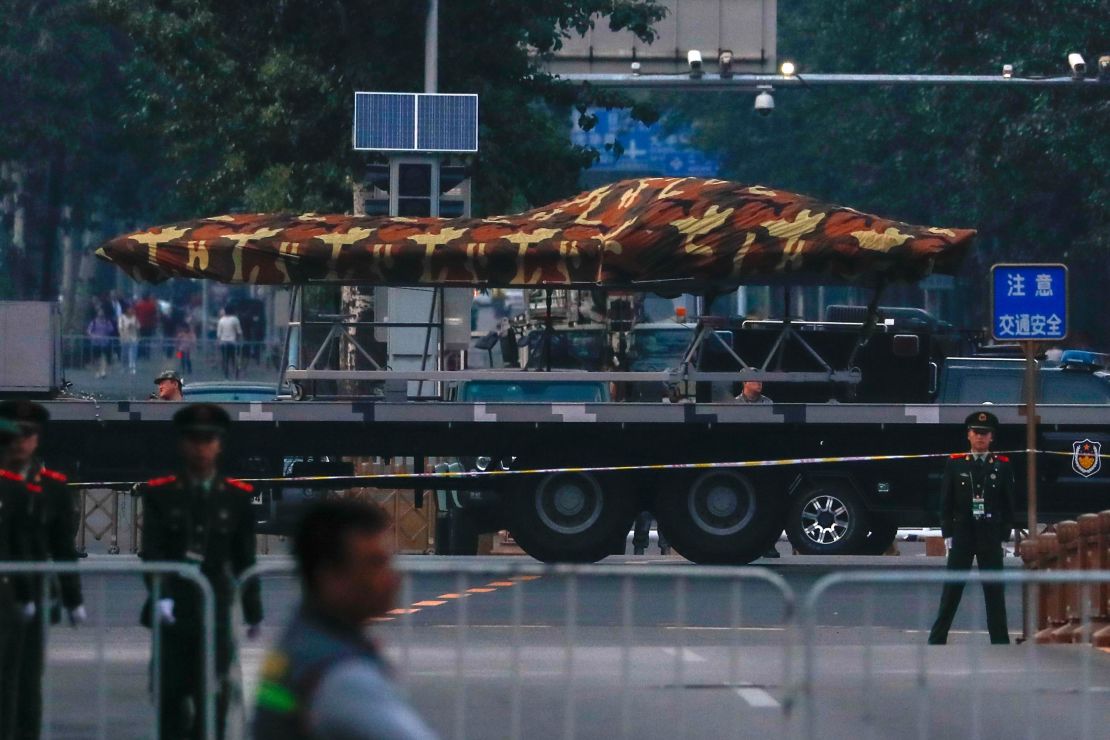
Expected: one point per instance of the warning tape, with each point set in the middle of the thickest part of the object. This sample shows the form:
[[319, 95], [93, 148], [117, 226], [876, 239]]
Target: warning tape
[[355, 480]]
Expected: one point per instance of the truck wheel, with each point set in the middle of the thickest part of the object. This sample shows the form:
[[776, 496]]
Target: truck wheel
[[720, 518], [569, 517], [828, 519], [884, 530]]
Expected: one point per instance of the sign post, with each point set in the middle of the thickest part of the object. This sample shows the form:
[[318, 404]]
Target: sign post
[[1029, 303]]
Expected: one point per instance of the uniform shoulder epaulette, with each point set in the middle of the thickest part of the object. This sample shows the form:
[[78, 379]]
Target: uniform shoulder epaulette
[[9, 475], [241, 485], [956, 456], [54, 475], [165, 480], [1003, 458], [34, 487]]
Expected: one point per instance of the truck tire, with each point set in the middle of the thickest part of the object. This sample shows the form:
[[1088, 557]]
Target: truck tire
[[569, 517], [828, 518], [719, 517], [884, 530]]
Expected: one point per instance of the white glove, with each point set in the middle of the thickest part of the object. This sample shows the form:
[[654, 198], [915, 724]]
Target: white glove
[[253, 631], [78, 615], [165, 611], [948, 543], [27, 611]]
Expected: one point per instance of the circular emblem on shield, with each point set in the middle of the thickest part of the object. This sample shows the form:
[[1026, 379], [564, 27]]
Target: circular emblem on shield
[[1086, 457]]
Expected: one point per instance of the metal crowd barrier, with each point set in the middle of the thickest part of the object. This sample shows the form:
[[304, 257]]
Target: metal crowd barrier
[[423, 651], [98, 607], [1037, 671]]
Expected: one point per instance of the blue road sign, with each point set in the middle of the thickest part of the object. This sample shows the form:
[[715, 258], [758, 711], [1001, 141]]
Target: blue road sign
[[646, 148], [1029, 302]]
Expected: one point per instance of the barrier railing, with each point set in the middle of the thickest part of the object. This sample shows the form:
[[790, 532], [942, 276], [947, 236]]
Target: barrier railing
[[661, 644], [998, 680], [99, 609]]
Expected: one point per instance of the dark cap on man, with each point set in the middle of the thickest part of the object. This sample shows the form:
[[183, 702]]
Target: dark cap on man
[[8, 431], [30, 416], [168, 375], [202, 418], [982, 421]]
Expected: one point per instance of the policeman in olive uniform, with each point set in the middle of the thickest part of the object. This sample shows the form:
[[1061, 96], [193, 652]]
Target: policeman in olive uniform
[[198, 516], [169, 386], [977, 513], [15, 593], [53, 528]]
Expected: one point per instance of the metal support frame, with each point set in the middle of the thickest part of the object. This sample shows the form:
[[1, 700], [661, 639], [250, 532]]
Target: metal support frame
[[751, 82]]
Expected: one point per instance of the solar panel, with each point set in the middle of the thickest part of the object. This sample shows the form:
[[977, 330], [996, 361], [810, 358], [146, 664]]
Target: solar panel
[[415, 122], [447, 123]]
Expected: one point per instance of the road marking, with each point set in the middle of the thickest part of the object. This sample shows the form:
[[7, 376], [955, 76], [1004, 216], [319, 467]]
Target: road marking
[[726, 629], [757, 697], [452, 596], [381, 619], [525, 578], [429, 603], [402, 611], [480, 590], [492, 626], [687, 654], [500, 584]]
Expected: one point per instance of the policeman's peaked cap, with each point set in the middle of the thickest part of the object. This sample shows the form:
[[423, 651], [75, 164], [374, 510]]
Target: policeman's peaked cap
[[27, 414], [983, 420], [202, 418]]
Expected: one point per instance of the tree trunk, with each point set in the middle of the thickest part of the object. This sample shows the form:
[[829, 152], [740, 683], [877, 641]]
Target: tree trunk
[[356, 302], [51, 227]]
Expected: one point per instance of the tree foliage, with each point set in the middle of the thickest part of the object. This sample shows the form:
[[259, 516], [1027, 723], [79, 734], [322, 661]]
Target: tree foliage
[[254, 100]]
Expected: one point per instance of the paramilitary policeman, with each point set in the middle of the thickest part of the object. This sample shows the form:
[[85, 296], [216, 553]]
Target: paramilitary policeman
[[52, 516], [198, 516], [977, 514], [14, 591]]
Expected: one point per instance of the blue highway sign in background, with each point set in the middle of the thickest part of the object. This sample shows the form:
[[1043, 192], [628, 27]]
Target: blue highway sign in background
[[1029, 302], [646, 148]]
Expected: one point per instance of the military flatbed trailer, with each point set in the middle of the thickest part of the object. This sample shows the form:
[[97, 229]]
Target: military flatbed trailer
[[713, 514]]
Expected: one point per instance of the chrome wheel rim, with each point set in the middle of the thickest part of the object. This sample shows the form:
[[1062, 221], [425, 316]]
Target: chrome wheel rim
[[826, 520]]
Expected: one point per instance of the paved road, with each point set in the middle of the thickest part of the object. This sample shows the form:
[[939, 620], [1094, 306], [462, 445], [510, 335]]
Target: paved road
[[661, 656]]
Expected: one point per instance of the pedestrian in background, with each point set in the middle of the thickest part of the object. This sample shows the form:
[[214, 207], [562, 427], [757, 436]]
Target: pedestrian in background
[[16, 607], [129, 332], [146, 313], [752, 392], [100, 333], [198, 516], [977, 516], [184, 343], [52, 527], [228, 335], [324, 678]]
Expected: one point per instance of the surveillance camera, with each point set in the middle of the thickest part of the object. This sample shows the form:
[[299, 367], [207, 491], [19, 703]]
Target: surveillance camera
[[724, 64], [764, 103], [1078, 66], [1007, 71], [693, 58], [635, 68]]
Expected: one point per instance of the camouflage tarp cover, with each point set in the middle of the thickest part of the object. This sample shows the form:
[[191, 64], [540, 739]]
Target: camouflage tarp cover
[[663, 232]]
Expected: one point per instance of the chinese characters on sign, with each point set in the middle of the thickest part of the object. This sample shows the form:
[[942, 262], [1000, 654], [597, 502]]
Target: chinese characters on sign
[[1029, 302]]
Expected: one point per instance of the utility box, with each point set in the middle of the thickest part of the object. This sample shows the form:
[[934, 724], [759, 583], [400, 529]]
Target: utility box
[[30, 348]]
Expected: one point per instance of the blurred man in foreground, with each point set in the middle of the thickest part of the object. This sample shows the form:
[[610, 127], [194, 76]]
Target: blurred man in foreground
[[325, 678]]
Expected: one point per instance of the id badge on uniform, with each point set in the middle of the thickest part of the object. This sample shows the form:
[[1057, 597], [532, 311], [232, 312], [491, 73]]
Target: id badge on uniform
[[978, 508]]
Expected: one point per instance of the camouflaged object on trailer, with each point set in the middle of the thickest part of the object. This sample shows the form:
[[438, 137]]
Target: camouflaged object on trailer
[[678, 233]]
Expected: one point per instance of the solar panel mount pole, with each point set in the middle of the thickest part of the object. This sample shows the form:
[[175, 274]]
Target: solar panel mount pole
[[431, 48]]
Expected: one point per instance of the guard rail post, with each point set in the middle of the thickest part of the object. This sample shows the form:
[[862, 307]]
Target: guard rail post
[[1051, 593], [1067, 534], [157, 570], [1101, 638]]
